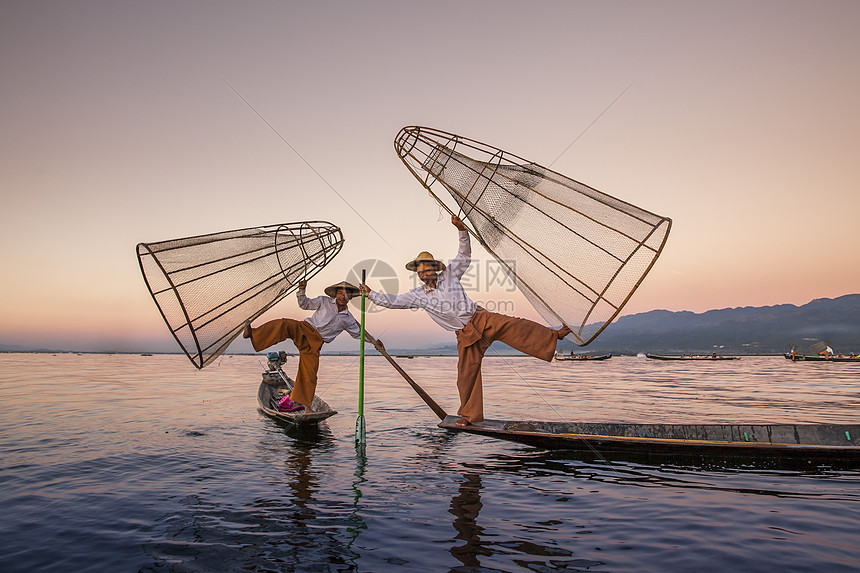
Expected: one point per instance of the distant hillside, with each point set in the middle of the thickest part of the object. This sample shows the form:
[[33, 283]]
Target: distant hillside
[[765, 329], [16, 348], [744, 330]]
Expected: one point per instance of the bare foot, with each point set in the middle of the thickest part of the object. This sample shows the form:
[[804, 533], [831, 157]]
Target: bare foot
[[563, 331], [462, 422], [307, 408], [246, 332]]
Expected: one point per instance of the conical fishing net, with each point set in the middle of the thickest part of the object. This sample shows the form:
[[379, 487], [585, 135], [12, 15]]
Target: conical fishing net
[[818, 347], [208, 286], [576, 254]]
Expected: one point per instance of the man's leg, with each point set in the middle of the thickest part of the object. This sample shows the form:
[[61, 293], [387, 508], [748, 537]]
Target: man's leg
[[306, 379], [273, 332], [469, 382], [524, 335], [309, 343]]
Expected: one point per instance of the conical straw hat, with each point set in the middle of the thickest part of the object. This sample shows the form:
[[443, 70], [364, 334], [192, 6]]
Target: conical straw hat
[[424, 257], [351, 290]]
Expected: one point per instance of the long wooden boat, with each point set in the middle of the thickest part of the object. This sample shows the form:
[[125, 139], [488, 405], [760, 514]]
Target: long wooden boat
[[691, 357], [581, 357], [819, 358], [275, 385], [796, 441]]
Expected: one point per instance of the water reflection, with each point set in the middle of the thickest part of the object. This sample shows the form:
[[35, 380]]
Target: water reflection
[[300, 477], [318, 528], [276, 511], [542, 467], [523, 534], [465, 506], [355, 522], [700, 464], [170, 483]]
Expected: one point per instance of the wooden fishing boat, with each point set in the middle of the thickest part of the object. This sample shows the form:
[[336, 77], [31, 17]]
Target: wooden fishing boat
[[275, 385], [819, 358], [576, 357], [771, 445], [691, 357], [797, 441]]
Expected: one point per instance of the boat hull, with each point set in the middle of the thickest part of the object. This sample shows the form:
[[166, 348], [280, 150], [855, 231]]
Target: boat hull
[[582, 358], [270, 391], [817, 358], [797, 441], [702, 357]]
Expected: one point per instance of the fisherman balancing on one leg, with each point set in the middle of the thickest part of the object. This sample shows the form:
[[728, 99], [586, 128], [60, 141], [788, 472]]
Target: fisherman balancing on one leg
[[331, 317], [443, 297]]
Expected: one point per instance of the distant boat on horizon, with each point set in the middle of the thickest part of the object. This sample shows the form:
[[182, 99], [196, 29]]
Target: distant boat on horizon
[[691, 357]]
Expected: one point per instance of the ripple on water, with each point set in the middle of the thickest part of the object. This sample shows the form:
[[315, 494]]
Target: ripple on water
[[151, 465]]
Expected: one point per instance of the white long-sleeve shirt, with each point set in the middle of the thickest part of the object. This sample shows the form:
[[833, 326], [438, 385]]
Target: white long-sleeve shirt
[[327, 320], [447, 304]]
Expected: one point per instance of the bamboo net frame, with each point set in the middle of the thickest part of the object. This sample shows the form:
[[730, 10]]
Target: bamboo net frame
[[577, 254], [207, 286]]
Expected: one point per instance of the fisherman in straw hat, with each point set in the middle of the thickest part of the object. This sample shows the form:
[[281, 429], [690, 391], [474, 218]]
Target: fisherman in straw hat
[[331, 317], [443, 297]]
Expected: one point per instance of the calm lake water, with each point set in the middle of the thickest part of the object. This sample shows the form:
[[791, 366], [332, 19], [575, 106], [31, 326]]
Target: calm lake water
[[131, 463]]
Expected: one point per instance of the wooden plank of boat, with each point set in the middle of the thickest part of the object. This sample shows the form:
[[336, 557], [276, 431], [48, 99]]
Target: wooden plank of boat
[[834, 441], [272, 388], [819, 358], [581, 357], [691, 357]]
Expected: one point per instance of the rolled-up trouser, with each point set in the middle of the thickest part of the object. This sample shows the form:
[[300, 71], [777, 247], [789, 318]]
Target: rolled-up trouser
[[307, 340], [475, 338]]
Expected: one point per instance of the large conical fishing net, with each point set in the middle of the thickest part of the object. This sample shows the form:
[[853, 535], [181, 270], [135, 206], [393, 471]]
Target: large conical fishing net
[[576, 254], [208, 286]]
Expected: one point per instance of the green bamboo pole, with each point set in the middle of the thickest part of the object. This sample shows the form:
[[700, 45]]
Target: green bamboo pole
[[359, 422]]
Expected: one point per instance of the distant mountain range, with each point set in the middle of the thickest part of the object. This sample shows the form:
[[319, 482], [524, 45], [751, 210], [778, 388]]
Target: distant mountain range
[[743, 330], [16, 348]]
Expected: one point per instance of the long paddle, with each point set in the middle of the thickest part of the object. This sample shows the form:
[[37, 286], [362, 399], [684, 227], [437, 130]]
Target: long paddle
[[437, 409], [359, 422]]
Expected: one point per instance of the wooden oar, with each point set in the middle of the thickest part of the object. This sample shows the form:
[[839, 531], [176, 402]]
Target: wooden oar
[[437, 409]]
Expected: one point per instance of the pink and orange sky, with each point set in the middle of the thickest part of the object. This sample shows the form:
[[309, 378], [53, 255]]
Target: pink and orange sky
[[119, 126]]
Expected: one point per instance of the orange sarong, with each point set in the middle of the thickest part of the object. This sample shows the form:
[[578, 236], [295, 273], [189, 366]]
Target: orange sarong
[[307, 340]]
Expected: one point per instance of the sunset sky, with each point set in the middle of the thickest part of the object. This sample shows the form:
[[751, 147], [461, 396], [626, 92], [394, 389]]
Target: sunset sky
[[739, 120]]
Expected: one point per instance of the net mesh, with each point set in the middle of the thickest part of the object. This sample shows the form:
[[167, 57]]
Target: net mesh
[[208, 286], [576, 253]]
